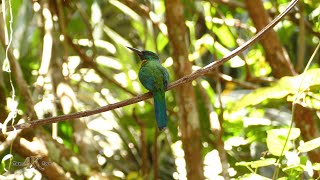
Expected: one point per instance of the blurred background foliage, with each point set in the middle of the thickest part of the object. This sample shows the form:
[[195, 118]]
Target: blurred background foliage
[[73, 57]]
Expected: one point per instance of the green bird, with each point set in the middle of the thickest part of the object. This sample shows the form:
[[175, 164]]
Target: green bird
[[155, 78]]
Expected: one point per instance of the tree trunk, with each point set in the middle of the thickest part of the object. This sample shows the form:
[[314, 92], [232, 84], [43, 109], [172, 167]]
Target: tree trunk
[[188, 114]]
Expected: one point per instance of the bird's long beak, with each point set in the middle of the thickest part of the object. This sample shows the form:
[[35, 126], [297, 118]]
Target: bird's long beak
[[137, 51]]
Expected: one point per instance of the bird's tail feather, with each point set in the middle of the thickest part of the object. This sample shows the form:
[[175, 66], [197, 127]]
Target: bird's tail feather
[[160, 109]]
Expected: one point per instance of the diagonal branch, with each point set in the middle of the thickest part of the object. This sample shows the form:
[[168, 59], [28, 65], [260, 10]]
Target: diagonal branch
[[179, 82]]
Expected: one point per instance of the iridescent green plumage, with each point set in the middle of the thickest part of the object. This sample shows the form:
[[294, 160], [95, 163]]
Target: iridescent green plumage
[[155, 78]]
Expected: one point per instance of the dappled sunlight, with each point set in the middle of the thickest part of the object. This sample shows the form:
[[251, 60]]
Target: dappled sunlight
[[214, 121], [179, 161], [45, 106], [251, 121], [47, 42], [195, 68], [106, 45], [168, 62], [212, 166], [109, 62], [91, 76], [98, 43], [67, 97], [72, 64], [234, 142], [104, 123], [132, 75], [122, 79], [137, 86]]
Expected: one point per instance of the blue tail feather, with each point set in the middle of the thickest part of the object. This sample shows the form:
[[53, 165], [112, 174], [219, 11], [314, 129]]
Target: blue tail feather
[[160, 109]]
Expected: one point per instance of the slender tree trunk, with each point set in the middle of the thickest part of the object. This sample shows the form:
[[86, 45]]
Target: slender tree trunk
[[188, 114], [304, 118]]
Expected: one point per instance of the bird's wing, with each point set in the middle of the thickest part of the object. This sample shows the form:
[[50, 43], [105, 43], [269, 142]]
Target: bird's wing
[[165, 76], [148, 78]]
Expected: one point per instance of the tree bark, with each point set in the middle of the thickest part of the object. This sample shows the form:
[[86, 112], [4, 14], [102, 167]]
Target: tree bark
[[188, 114]]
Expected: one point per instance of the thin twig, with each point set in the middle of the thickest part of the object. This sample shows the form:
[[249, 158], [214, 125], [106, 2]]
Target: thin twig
[[179, 82]]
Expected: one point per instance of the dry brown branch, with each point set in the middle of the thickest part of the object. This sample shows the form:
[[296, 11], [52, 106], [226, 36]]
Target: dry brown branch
[[183, 80]]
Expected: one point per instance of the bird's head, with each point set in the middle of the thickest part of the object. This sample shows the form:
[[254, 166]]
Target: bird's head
[[145, 55]]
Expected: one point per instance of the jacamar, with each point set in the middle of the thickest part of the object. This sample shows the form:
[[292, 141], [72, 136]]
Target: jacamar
[[154, 77]]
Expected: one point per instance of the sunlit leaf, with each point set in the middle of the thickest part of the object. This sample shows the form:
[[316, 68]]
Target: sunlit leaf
[[115, 36], [234, 62], [316, 166], [125, 9], [281, 89], [4, 159], [294, 171], [263, 162], [276, 139], [243, 163], [225, 36], [292, 158], [162, 41], [109, 62], [309, 145], [258, 163], [134, 176]]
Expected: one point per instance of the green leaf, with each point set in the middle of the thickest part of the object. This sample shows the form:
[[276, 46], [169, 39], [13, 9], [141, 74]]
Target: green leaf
[[285, 86], [162, 41], [242, 163], [263, 162], [283, 178], [235, 61], [134, 175], [294, 171], [258, 163], [316, 166], [225, 36], [309, 145], [276, 139], [253, 176]]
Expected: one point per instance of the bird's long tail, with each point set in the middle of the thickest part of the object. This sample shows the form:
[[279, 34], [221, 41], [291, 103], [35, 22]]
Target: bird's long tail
[[160, 109]]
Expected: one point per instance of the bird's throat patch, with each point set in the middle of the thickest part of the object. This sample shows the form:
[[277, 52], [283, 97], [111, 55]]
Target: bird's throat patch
[[143, 62]]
